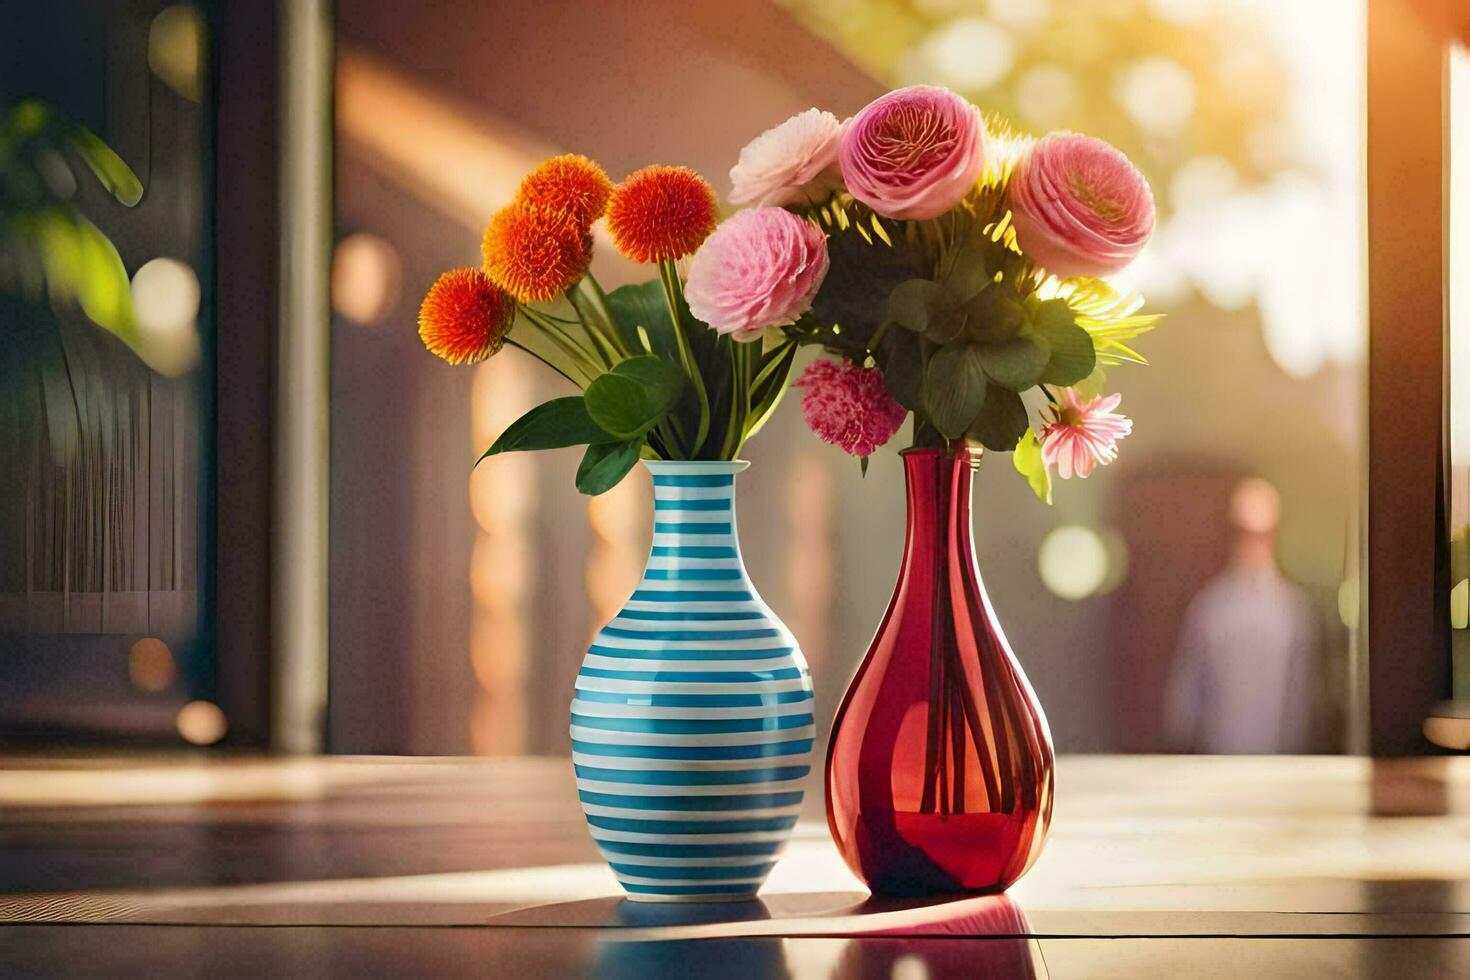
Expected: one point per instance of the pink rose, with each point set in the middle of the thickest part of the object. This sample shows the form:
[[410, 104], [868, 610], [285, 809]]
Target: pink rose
[[1079, 207], [759, 269], [792, 163], [913, 153]]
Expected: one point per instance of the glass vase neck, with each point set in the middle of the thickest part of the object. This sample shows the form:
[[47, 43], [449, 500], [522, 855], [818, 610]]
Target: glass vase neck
[[938, 483]]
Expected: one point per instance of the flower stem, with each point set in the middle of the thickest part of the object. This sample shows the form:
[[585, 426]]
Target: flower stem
[[740, 390], [587, 360], [598, 331], [669, 277]]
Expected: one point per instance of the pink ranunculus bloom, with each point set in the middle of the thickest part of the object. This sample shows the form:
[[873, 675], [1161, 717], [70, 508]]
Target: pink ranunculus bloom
[[1079, 207], [793, 163], [1083, 434], [759, 269], [913, 153], [848, 406]]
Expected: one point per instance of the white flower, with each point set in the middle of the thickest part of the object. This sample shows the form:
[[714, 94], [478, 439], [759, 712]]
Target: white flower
[[792, 163]]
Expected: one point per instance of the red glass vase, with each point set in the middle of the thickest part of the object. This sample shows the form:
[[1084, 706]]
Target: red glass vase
[[939, 770]]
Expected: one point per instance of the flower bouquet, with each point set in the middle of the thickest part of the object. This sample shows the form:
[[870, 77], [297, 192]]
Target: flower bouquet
[[656, 382], [955, 268], [692, 712], [966, 289]]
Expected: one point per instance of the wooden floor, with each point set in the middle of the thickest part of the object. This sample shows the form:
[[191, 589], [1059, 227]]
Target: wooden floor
[[1201, 867]]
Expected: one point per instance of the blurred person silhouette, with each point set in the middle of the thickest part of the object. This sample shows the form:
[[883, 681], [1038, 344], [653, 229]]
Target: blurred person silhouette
[[1242, 676]]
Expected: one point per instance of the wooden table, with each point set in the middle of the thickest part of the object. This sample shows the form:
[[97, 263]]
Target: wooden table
[[1157, 866]]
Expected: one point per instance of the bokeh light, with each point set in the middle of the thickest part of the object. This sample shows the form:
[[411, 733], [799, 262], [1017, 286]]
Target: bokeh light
[[166, 308], [1046, 95], [175, 49], [1073, 561], [1158, 94], [201, 723], [151, 665], [970, 53], [366, 277]]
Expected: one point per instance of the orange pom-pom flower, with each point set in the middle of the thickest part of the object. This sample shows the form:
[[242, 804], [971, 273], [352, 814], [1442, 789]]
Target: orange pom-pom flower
[[465, 317], [569, 184], [534, 254], [661, 213]]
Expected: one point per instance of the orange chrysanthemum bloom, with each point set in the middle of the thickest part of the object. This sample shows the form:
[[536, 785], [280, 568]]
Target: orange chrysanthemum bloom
[[534, 254], [465, 317], [569, 184], [661, 213]]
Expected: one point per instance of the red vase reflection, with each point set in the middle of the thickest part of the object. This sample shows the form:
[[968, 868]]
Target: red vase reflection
[[939, 770]]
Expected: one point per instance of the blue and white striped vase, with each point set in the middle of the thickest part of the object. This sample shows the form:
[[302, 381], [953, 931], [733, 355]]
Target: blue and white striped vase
[[692, 723]]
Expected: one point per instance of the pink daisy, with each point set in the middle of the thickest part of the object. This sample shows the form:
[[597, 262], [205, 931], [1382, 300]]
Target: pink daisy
[[1083, 434], [847, 405]]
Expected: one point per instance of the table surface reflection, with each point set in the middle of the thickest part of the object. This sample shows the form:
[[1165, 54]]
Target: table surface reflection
[[1156, 866]]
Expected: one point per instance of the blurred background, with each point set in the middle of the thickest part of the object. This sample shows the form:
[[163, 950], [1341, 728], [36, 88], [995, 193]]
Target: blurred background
[[460, 600]]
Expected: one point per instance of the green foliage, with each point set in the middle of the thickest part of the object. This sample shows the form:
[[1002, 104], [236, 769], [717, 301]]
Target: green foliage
[[551, 425], [641, 397], [954, 388], [852, 303], [604, 465], [44, 238], [634, 396], [1027, 461], [1016, 363], [1071, 355], [642, 318], [1001, 420]]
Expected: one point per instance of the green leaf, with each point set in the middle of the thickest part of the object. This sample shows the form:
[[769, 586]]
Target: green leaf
[[993, 315], [862, 274], [115, 175], [903, 369], [604, 466], [642, 316], [662, 377], [1001, 421], [551, 425], [1027, 461], [1072, 354], [927, 308], [968, 273], [1016, 363], [632, 397], [102, 288], [954, 388]]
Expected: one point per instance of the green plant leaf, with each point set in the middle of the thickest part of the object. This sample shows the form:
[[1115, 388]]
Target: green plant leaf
[[551, 425], [1027, 461], [927, 308], [604, 466], [968, 272], [954, 388], [109, 168], [631, 398], [903, 369], [1016, 363], [993, 315], [1072, 354], [864, 270], [642, 307], [1001, 421], [102, 289]]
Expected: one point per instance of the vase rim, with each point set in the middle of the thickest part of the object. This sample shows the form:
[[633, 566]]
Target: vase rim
[[696, 467], [973, 452]]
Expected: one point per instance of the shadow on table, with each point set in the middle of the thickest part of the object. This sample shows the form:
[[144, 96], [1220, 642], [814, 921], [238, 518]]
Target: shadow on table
[[830, 934]]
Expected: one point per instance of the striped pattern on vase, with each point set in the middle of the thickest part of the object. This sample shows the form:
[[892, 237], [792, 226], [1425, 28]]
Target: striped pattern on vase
[[692, 721]]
